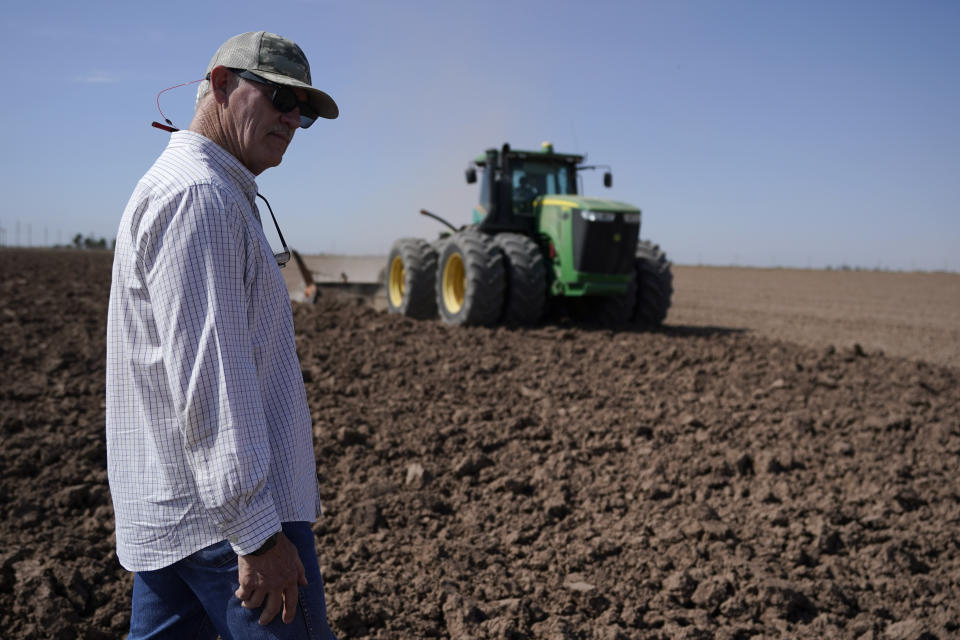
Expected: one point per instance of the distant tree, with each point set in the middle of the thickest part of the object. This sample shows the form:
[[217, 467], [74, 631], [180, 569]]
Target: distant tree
[[93, 243]]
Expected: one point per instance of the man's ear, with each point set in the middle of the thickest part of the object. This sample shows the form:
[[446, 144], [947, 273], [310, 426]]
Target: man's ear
[[220, 83]]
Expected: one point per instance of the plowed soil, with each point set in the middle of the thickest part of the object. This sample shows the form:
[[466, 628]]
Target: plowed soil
[[561, 482]]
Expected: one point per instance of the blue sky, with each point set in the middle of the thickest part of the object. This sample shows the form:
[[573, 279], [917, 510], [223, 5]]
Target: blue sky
[[798, 134]]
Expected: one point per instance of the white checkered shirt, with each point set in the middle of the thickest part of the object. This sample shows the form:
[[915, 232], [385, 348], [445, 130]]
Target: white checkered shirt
[[208, 429]]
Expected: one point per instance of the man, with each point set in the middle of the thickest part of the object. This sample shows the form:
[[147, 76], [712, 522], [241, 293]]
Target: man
[[209, 439]]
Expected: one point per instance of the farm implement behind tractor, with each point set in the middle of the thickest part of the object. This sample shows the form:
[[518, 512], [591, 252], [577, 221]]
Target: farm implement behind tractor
[[535, 243]]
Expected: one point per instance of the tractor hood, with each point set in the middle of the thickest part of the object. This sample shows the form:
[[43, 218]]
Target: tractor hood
[[584, 203]]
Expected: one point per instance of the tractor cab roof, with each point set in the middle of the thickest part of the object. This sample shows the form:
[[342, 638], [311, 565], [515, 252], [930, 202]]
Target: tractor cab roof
[[545, 154]]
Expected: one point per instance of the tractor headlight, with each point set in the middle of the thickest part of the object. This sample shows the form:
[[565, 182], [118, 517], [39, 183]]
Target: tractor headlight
[[598, 216], [631, 218]]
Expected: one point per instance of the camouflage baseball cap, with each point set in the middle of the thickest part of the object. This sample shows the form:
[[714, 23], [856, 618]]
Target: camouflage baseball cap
[[277, 59]]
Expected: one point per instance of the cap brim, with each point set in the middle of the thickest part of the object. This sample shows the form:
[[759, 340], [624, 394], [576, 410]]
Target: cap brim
[[324, 104]]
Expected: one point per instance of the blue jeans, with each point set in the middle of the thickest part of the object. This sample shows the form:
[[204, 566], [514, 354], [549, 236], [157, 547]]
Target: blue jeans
[[194, 598]]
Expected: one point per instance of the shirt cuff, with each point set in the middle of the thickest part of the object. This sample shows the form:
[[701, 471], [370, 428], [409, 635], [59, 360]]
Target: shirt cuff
[[247, 533]]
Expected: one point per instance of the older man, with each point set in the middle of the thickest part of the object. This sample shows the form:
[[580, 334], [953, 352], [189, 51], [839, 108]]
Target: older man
[[209, 439]]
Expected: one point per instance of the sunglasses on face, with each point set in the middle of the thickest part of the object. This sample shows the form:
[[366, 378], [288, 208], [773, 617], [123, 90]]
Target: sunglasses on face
[[284, 98]]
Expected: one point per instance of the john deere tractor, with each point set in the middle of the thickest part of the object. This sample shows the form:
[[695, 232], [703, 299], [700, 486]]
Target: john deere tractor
[[535, 243]]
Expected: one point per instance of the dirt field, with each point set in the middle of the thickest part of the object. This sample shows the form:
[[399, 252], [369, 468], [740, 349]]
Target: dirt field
[[560, 482], [911, 315]]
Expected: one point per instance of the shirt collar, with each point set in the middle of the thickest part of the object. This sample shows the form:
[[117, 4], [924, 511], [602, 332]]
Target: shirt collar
[[225, 161]]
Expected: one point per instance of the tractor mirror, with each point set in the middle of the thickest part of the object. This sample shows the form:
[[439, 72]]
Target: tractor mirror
[[471, 175], [608, 179]]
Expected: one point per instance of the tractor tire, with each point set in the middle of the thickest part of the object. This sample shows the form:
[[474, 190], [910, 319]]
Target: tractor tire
[[526, 293], [654, 284], [470, 280], [411, 272]]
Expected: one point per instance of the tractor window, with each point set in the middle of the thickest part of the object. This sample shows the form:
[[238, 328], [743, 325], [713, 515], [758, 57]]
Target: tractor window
[[557, 180], [485, 189], [532, 179]]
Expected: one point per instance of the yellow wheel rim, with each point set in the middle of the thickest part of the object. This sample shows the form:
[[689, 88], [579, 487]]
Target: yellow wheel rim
[[454, 283], [396, 283]]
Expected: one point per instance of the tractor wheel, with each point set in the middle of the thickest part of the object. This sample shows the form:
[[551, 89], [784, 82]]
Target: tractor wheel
[[526, 278], [654, 284], [470, 280], [411, 271]]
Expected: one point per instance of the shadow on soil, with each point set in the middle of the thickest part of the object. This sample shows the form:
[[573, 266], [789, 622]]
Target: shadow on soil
[[678, 331]]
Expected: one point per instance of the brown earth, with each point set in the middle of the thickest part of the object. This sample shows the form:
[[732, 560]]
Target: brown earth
[[912, 315], [558, 482]]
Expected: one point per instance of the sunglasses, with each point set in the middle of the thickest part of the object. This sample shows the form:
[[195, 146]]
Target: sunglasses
[[284, 98]]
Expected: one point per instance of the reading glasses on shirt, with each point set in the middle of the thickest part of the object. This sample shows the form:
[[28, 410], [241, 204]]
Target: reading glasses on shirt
[[282, 257]]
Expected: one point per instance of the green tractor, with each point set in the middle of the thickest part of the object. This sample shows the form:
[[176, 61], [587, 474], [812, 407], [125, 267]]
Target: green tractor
[[534, 244]]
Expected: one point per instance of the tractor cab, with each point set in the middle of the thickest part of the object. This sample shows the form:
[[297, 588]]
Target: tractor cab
[[514, 181], [533, 178]]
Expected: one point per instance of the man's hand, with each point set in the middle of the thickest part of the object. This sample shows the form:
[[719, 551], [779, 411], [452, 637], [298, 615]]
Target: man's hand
[[270, 580]]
